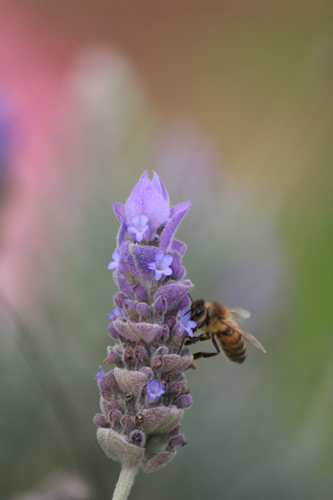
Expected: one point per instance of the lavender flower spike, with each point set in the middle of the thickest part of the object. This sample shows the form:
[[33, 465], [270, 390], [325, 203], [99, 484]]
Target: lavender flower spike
[[143, 398]]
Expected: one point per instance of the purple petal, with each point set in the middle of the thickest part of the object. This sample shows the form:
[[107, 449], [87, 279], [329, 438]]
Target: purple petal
[[116, 258], [159, 259], [144, 199], [116, 312], [167, 271], [158, 275], [100, 376], [177, 214], [189, 332], [155, 389], [159, 186], [119, 211], [139, 227], [167, 260]]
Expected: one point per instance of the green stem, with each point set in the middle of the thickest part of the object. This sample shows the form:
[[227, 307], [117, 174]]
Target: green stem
[[125, 482]]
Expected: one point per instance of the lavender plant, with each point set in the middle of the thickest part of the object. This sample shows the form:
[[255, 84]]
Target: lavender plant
[[143, 398]]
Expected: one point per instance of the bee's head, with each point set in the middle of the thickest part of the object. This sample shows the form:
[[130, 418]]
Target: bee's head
[[198, 311]]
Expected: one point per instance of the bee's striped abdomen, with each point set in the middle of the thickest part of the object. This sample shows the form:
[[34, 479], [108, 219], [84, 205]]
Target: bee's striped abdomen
[[233, 345]]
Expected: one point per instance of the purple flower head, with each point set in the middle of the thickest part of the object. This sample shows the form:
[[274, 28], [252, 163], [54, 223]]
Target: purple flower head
[[116, 258], [185, 322], [139, 228], [155, 389], [151, 199], [161, 265], [116, 313]]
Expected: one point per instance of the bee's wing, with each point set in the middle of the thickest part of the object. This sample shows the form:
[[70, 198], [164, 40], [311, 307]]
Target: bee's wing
[[239, 315], [247, 336]]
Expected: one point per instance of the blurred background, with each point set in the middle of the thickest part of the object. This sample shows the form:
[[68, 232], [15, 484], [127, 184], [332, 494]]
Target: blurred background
[[231, 103]]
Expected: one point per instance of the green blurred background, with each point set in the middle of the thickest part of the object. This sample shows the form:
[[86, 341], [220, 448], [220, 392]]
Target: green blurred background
[[232, 104]]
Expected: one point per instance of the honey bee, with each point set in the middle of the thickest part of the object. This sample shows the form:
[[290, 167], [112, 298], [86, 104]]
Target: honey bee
[[218, 321]]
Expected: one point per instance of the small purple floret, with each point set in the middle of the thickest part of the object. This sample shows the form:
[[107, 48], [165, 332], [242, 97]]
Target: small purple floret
[[185, 322], [161, 265], [116, 313], [116, 258], [155, 389], [100, 375], [139, 227]]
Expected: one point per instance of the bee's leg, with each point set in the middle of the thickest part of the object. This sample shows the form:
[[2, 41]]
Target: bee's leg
[[204, 336], [194, 340], [198, 355], [199, 325], [191, 340]]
